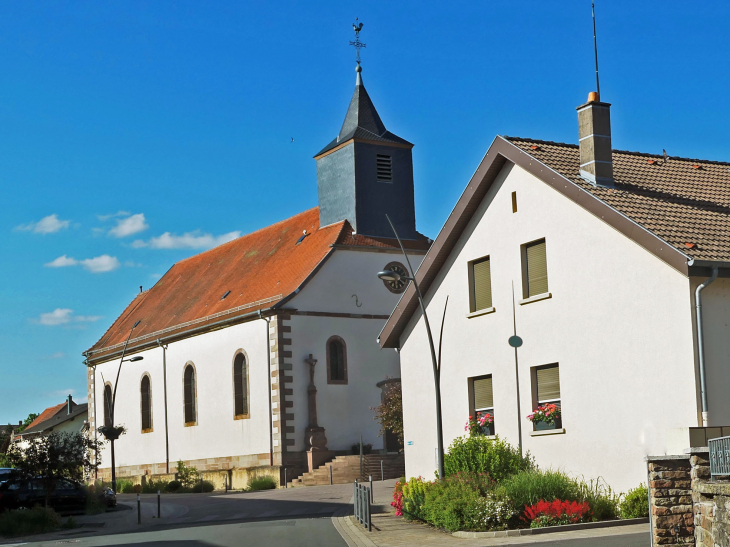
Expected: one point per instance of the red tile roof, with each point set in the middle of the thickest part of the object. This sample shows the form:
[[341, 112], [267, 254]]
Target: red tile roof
[[47, 414], [259, 269]]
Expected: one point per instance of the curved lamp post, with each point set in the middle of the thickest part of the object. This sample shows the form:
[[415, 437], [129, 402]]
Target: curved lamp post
[[114, 436], [388, 275]]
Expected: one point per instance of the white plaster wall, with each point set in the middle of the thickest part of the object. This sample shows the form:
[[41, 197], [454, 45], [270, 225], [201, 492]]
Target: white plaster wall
[[216, 434], [352, 272], [618, 324], [716, 325], [343, 410]]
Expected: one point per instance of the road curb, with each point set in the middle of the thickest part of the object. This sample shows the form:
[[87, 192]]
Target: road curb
[[353, 535], [550, 529]]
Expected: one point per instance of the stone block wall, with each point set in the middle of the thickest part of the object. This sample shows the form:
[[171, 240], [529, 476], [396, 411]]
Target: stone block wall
[[670, 490], [711, 504]]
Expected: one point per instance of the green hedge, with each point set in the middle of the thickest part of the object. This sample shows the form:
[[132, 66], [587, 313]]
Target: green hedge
[[636, 503], [28, 521], [479, 454]]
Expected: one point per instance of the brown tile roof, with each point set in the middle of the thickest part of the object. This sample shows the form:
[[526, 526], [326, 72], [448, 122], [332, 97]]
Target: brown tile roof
[[259, 269], [47, 414], [348, 239], [686, 202]]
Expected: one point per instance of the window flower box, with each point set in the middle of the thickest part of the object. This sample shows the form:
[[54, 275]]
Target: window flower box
[[547, 416]]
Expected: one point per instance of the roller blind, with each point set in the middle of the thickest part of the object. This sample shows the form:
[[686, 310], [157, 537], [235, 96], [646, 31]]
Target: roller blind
[[537, 282], [483, 397], [482, 285], [548, 383]]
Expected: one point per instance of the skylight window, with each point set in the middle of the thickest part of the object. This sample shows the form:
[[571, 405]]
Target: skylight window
[[304, 234], [225, 295]]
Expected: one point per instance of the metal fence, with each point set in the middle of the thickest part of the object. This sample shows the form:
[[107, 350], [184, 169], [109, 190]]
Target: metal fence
[[362, 506], [719, 456]]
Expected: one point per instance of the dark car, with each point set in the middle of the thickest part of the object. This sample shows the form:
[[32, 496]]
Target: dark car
[[108, 497], [67, 496], [5, 474]]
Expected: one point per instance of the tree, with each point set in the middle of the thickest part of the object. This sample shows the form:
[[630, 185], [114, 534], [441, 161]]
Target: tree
[[54, 457], [389, 414], [32, 416]]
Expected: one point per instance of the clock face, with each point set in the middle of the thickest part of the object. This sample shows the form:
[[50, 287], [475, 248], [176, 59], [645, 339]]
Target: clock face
[[400, 285]]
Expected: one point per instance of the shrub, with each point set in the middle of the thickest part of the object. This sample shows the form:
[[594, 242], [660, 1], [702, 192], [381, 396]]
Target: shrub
[[414, 496], [604, 502], [94, 504], [137, 489], [173, 486], [262, 483], [188, 476], [557, 512], [529, 487], [389, 414], [479, 454], [69, 524], [398, 497], [491, 512], [151, 486], [636, 503], [448, 502], [125, 486], [197, 488], [28, 521]]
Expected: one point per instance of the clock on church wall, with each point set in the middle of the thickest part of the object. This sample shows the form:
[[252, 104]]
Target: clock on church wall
[[400, 285]]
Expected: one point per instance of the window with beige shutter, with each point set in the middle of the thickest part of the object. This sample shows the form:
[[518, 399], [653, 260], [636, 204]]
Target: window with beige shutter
[[481, 285], [535, 269], [482, 401], [548, 385]]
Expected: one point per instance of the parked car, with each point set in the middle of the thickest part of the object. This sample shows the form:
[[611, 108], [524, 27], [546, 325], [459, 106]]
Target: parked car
[[68, 496], [5, 474], [108, 497]]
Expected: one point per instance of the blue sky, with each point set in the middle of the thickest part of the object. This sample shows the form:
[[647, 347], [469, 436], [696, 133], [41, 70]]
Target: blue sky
[[135, 134]]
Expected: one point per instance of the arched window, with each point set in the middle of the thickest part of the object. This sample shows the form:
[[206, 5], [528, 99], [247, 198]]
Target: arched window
[[107, 405], [336, 361], [240, 386], [146, 404], [189, 395]]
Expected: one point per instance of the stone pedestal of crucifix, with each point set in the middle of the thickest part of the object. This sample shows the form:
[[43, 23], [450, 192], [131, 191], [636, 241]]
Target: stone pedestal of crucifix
[[315, 441]]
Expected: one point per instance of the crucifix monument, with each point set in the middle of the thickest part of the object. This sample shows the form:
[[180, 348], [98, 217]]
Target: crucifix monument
[[315, 441]]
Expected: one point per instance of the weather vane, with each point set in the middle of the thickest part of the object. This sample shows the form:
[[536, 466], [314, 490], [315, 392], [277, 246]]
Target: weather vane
[[357, 44]]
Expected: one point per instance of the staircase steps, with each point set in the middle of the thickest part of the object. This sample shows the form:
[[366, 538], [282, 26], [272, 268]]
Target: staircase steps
[[345, 469]]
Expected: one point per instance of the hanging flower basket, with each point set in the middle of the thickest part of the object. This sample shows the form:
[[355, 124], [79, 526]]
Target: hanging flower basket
[[112, 433]]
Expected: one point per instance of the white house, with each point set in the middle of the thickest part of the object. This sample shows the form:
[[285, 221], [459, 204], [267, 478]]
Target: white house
[[592, 256], [228, 336], [68, 417]]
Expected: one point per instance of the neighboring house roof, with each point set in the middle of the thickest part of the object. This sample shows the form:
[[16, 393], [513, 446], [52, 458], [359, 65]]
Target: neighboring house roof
[[679, 210], [261, 270], [362, 122], [53, 417]]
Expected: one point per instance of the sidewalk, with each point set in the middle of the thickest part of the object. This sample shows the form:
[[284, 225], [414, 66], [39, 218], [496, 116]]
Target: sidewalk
[[391, 531]]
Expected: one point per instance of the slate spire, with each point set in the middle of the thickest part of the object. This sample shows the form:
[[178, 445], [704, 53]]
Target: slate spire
[[361, 113], [366, 173]]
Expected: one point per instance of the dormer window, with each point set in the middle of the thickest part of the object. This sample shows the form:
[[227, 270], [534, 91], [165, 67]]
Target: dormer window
[[385, 168]]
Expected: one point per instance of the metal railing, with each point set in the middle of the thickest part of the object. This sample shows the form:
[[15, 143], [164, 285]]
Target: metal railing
[[362, 506], [719, 456]]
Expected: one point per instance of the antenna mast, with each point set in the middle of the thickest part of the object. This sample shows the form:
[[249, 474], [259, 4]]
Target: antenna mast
[[595, 49]]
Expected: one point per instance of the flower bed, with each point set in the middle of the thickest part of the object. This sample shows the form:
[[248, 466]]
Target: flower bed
[[490, 486]]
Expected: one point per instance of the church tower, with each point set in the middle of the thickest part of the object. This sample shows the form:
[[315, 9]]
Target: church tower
[[366, 173]]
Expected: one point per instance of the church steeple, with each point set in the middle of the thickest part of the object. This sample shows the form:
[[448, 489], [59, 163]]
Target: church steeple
[[366, 172]]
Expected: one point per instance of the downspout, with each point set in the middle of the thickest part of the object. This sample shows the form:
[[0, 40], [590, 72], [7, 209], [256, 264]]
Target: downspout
[[268, 360], [164, 384], [701, 344]]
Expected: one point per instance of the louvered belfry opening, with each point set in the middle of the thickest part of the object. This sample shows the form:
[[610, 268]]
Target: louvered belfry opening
[[385, 167], [481, 297], [189, 394], [240, 386], [146, 404], [536, 269]]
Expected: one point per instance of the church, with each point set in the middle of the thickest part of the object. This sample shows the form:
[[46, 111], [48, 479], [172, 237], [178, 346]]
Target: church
[[260, 355]]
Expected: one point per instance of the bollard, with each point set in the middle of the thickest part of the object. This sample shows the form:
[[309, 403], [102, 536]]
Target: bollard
[[139, 511], [382, 476], [372, 495], [286, 485], [158, 504], [201, 483], [331, 474]]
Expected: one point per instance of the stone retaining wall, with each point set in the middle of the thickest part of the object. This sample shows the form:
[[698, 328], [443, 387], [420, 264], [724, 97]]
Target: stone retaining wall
[[670, 492]]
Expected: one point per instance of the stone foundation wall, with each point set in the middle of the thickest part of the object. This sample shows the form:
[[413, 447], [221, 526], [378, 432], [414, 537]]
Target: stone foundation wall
[[711, 504], [670, 490]]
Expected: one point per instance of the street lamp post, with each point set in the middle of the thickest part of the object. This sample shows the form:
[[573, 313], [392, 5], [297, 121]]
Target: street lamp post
[[388, 275], [113, 435]]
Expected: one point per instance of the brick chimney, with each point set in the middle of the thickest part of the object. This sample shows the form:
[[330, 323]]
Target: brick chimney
[[594, 134], [69, 404]]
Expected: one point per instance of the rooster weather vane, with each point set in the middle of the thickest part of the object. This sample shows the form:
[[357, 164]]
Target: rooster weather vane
[[357, 44]]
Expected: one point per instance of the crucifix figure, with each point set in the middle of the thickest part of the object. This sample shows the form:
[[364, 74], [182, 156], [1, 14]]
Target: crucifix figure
[[312, 392]]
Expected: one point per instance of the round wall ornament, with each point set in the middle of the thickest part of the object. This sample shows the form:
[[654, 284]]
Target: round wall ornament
[[400, 285]]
